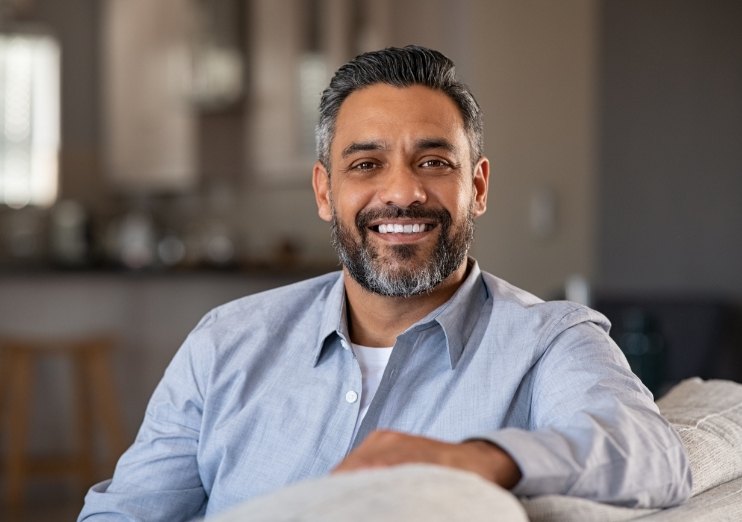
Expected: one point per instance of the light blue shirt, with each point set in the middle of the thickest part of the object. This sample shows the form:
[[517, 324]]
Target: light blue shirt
[[264, 393]]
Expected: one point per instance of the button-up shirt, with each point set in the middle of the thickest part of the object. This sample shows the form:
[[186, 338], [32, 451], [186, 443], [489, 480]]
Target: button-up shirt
[[263, 393]]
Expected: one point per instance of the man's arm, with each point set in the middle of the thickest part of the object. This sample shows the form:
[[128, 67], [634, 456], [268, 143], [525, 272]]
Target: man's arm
[[158, 478], [595, 431]]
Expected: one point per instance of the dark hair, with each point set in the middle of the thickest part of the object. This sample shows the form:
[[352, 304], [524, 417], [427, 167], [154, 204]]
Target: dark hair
[[400, 67]]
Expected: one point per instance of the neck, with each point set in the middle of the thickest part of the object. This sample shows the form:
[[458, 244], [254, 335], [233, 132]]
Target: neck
[[377, 320]]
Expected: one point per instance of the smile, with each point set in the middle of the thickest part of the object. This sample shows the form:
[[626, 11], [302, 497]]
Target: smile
[[398, 228]]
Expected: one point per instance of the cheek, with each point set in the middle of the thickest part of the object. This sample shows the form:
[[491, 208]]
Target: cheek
[[456, 198], [348, 201]]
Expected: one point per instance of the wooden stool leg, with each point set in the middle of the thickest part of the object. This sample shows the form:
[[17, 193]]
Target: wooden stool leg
[[105, 403], [20, 401], [85, 442], [6, 420], [5, 373]]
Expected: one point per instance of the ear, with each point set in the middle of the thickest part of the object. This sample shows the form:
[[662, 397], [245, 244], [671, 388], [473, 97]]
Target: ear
[[480, 184], [321, 186]]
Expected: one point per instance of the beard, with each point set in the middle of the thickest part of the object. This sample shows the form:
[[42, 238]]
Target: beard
[[395, 274]]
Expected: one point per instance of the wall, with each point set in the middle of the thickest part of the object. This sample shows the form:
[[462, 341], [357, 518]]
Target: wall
[[76, 24], [671, 148]]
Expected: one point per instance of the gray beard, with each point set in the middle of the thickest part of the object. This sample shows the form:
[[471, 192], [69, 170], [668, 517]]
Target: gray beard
[[364, 264]]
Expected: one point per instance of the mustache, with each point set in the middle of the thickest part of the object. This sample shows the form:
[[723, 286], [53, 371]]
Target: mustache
[[438, 215]]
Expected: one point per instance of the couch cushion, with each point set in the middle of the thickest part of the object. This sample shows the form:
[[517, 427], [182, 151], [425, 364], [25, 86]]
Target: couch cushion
[[561, 508], [409, 493], [724, 502], [708, 417]]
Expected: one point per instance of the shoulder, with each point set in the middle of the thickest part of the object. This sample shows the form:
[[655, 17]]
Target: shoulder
[[286, 298], [253, 332], [270, 313], [552, 336], [516, 309]]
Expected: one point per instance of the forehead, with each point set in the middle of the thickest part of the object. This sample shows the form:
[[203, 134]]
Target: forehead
[[388, 113]]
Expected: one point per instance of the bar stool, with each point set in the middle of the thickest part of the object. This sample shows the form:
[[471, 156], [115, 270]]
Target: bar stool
[[94, 400]]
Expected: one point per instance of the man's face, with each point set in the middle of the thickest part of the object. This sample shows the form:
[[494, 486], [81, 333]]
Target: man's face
[[402, 194]]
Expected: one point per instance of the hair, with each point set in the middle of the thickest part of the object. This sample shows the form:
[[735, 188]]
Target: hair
[[399, 67]]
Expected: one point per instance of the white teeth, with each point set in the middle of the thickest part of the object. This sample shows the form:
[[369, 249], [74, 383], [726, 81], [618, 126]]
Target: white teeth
[[401, 229]]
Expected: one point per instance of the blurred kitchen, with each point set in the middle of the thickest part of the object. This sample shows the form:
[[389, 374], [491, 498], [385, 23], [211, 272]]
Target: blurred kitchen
[[155, 161]]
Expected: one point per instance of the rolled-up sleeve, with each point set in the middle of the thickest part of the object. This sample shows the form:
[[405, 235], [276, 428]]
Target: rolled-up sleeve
[[594, 429]]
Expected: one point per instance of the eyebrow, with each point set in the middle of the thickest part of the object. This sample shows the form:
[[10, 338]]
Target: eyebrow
[[421, 144], [363, 146], [435, 143]]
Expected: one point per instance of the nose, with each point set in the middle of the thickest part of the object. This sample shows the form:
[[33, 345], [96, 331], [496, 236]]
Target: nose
[[402, 187]]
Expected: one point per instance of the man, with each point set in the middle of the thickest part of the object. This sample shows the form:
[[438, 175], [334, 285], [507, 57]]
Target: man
[[410, 353]]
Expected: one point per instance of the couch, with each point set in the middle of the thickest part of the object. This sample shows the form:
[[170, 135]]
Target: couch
[[706, 414]]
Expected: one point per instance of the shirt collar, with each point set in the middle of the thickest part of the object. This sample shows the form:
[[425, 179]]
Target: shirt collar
[[457, 316], [333, 320]]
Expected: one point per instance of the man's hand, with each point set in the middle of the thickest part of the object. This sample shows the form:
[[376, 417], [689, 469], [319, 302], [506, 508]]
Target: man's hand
[[389, 448]]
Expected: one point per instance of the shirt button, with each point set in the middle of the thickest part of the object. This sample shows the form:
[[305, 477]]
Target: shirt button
[[351, 397]]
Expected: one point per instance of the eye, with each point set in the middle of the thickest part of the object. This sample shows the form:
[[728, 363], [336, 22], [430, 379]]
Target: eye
[[435, 163], [363, 165]]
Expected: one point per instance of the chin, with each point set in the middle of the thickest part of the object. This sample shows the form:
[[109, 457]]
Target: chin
[[405, 252]]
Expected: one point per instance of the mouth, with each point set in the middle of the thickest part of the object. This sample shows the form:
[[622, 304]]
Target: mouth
[[401, 228]]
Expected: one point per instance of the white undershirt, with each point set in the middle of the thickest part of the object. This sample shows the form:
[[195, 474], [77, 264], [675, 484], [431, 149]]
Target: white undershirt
[[373, 362]]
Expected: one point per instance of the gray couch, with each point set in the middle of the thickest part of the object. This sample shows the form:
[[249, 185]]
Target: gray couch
[[706, 414]]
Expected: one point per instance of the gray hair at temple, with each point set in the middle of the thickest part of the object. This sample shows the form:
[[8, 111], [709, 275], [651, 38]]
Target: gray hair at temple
[[400, 67]]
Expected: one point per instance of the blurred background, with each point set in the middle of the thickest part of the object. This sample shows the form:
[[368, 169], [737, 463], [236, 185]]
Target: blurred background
[[155, 161]]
